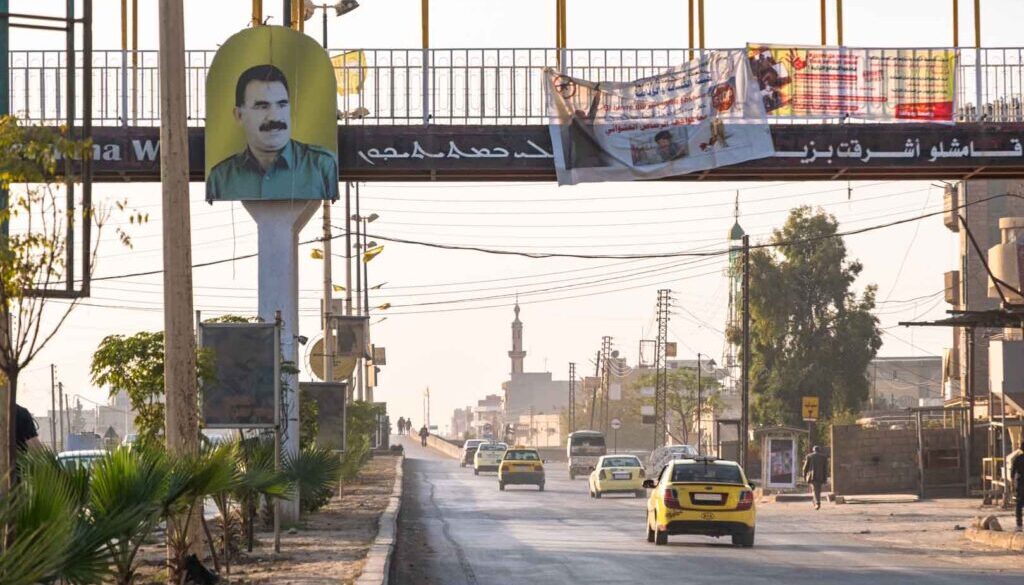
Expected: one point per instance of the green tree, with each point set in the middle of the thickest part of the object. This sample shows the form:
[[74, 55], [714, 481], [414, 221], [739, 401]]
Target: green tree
[[33, 247], [135, 364], [811, 334], [681, 398]]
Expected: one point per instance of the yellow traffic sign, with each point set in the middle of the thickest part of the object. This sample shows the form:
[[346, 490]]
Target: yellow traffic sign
[[809, 408]]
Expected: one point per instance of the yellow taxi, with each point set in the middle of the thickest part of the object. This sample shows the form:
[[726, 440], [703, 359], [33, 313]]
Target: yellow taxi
[[488, 457], [617, 474], [704, 496], [521, 466]]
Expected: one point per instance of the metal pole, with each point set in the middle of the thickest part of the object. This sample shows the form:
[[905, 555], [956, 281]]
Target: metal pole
[[328, 345], [87, 161], [977, 24], [839, 22], [53, 406], [257, 12], [60, 412], [69, 182], [124, 62], [971, 363], [135, 60], [593, 393], [277, 427], [700, 411], [689, 27], [824, 39], [348, 248], [367, 364], [745, 398], [956, 23], [286, 13], [572, 397], [700, 21]]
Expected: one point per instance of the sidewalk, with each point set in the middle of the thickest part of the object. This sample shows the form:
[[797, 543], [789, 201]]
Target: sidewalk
[[937, 528]]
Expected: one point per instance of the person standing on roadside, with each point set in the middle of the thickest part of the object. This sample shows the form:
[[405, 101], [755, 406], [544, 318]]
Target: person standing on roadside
[[424, 433], [816, 473], [1017, 477]]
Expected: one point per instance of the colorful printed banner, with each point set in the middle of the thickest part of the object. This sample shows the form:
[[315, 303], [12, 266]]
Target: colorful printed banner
[[705, 114], [869, 84]]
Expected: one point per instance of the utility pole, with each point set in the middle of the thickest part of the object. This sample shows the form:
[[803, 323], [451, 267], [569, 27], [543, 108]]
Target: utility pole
[[572, 397], [328, 356], [745, 398], [53, 406], [606, 352], [180, 395], [700, 410], [661, 370], [60, 412], [593, 393]]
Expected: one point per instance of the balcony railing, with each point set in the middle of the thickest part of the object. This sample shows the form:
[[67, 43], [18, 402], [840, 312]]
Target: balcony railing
[[435, 86]]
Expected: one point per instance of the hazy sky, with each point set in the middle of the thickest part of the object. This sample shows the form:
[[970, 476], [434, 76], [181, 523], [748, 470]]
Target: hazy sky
[[459, 348]]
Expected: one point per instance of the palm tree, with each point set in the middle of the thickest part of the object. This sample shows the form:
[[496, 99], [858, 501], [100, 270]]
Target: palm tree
[[315, 473], [256, 478]]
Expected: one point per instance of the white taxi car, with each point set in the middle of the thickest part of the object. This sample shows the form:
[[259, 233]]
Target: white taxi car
[[621, 474], [488, 457]]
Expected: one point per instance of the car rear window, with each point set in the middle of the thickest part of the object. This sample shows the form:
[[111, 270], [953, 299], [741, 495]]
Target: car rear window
[[473, 443], [706, 472], [522, 456], [492, 447], [621, 462]]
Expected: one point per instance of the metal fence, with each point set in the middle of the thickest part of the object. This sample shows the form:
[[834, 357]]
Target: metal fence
[[437, 86]]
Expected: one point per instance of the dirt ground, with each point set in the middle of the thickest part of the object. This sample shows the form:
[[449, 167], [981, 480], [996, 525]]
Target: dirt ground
[[329, 547], [933, 528]]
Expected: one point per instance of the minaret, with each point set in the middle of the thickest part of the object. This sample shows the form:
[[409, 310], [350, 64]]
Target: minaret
[[517, 354], [735, 274]]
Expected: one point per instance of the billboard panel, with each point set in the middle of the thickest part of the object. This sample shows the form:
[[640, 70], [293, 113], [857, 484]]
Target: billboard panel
[[330, 403], [881, 85], [350, 336], [245, 385], [271, 118]]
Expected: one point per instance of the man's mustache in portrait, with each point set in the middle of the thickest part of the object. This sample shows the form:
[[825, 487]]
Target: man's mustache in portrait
[[273, 125]]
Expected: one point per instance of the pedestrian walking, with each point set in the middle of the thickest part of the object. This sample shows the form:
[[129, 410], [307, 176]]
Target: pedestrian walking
[[401, 425], [424, 433], [1017, 476], [816, 473]]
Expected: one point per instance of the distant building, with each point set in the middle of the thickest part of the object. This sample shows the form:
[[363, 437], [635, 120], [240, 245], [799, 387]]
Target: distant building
[[461, 420], [488, 417], [530, 392], [539, 430], [897, 383]]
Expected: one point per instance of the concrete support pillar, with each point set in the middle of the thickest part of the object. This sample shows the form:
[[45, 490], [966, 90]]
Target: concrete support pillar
[[278, 224]]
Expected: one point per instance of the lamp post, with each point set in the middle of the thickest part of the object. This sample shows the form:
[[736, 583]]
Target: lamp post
[[700, 411], [363, 284]]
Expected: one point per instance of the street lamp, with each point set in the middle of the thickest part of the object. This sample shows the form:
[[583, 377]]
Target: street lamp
[[362, 276], [341, 8]]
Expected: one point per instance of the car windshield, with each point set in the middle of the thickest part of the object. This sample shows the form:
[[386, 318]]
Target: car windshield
[[473, 443], [492, 447], [522, 456], [621, 462], [706, 473]]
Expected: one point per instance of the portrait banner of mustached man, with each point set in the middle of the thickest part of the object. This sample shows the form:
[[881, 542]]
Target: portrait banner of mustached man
[[271, 119]]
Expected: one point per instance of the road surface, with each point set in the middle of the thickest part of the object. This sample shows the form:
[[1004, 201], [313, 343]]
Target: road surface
[[458, 529]]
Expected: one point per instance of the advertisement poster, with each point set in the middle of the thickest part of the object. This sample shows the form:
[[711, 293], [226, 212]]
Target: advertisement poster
[[705, 114], [781, 470], [243, 389], [271, 118], [869, 84]]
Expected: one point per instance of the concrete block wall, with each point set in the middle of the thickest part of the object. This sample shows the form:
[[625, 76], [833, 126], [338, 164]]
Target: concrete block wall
[[873, 461]]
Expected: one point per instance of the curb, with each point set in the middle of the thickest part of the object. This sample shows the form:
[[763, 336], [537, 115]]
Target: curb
[[1012, 541], [378, 558]]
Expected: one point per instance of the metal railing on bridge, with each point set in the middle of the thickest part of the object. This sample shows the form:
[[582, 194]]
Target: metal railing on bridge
[[437, 86]]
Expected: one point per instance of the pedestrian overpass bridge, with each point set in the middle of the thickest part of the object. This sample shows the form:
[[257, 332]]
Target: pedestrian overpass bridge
[[480, 115]]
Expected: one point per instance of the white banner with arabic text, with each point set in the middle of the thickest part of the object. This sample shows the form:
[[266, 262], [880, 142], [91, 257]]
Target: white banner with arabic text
[[705, 114]]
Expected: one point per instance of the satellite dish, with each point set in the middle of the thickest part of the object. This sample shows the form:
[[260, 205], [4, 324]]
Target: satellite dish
[[343, 366]]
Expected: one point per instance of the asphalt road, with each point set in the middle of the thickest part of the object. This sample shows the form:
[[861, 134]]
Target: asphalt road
[[458, 529]]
